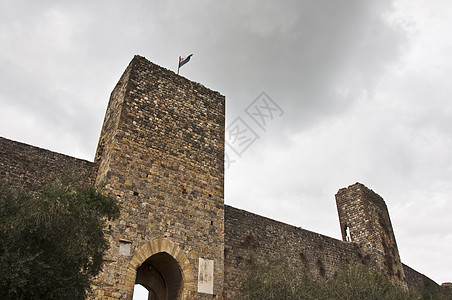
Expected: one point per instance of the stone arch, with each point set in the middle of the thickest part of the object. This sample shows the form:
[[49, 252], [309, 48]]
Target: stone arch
[[161, 246], [161, 275]]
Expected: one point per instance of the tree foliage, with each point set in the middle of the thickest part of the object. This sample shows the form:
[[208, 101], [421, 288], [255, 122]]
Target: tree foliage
[[355, 281], [277, 279], [52, 242]]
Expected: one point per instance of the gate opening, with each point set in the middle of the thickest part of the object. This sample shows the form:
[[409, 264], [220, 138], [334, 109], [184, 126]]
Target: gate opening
[[161, 275]]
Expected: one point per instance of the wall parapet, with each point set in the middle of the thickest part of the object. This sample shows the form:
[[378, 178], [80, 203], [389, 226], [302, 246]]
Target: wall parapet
[[248, 234], [31, 168]]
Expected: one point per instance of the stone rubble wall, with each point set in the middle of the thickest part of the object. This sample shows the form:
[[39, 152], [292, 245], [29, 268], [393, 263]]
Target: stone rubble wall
[[417, 281], [161, 153], [31, 168], [366, 215], [250, 235]]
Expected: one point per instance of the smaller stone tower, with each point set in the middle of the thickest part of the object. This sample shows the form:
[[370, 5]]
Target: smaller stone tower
[[364, 220]]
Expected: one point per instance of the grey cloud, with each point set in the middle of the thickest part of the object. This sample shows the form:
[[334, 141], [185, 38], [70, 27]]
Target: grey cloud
[[354, 107]]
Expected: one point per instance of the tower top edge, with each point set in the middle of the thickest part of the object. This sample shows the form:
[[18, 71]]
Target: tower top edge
[[139, 60]]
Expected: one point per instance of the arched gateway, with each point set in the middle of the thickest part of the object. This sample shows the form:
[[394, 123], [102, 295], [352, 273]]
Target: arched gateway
[[160, 274], [162, 268]]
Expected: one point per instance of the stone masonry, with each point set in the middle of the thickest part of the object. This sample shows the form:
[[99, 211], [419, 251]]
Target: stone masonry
[[31, 168], [161, 154], [364, 214], [249, 235]]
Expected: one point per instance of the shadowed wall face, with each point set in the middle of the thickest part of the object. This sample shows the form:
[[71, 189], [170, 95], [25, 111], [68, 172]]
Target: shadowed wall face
[[31, 168]]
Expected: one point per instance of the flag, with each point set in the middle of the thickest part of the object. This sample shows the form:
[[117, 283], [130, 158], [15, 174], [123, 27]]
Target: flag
[[183, 61]]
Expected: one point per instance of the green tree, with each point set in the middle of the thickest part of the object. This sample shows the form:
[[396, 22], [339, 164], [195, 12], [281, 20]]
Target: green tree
[[52, 242], [276, 280]]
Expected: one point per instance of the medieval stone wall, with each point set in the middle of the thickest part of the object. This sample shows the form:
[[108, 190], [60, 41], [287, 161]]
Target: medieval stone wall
[[417, 281], [107, 138], [250, 235], [31, 168], [161, 153], [364, 213]]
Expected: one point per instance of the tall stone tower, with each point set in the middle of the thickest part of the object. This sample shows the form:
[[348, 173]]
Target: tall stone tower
[[161, 153], [364, 220]]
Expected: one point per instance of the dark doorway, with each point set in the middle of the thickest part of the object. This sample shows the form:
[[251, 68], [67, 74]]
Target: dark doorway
[[161, 275]]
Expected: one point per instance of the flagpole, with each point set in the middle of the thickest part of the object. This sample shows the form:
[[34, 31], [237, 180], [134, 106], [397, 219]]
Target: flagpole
[[178, 65]]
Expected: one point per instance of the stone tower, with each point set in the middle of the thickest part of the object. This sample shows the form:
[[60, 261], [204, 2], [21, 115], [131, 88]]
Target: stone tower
[[161, 153], [364, 220]]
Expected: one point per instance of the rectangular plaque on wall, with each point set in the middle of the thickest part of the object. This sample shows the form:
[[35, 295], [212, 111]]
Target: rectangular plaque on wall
[[205, 276], [124, 247]]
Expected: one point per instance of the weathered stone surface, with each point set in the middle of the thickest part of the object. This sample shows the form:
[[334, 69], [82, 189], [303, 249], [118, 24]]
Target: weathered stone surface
[[415, 280], [365, 215], [161, 151], [247, 235], [31, 168]]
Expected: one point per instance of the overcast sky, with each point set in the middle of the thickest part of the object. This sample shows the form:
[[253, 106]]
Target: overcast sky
[[362, 89]]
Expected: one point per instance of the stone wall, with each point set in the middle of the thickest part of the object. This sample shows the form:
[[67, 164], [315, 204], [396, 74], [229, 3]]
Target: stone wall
[[161, 153], [417, 281], [248, 234], [364, 213], [31, 168], [107, 139]]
